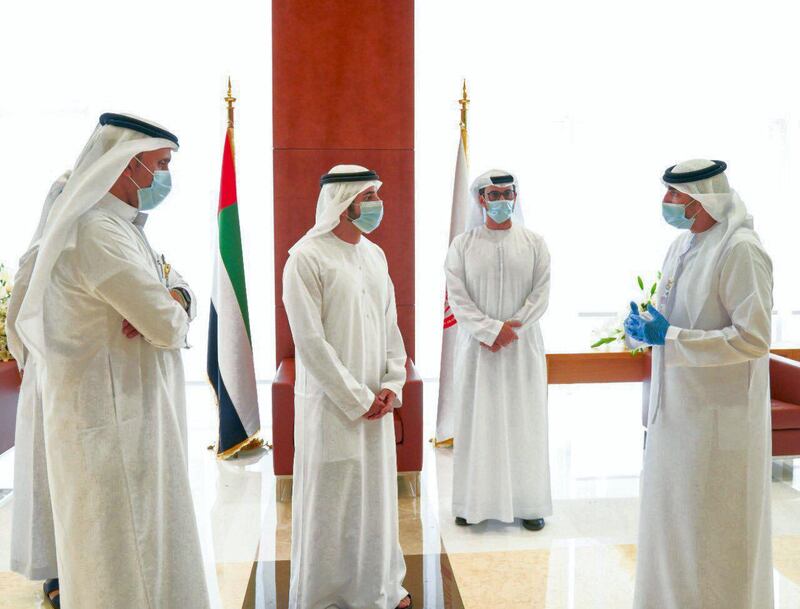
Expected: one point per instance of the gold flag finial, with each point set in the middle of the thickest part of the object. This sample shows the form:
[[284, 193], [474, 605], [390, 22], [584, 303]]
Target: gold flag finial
[[464, 101], [230, 99]]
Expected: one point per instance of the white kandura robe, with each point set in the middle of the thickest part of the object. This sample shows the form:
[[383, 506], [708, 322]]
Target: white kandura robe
[[345, 541], [501, 467], [115, 424], [704, 532], [33, 544]]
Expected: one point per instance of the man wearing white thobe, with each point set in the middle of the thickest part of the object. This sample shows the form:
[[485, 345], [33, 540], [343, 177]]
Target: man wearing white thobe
[[350, 363], [498, 283], [704, 531], [107, 317], [33, 545]]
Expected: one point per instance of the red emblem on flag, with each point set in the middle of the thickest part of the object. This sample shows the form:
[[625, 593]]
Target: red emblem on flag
[[449, 318]]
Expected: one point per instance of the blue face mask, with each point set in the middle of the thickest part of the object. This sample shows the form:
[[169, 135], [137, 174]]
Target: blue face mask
[[371, 216], [152, 196], [675, 215], [499, 211]]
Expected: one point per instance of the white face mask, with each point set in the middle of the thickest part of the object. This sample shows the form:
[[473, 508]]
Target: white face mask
[[370, 218]]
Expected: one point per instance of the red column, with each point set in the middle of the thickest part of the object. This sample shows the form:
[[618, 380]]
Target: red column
[[343, 92]]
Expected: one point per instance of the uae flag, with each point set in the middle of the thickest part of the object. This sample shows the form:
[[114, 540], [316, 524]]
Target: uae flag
[[230, 351]]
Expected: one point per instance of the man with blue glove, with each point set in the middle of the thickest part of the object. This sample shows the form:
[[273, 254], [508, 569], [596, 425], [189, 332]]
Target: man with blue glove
[[705, 532]]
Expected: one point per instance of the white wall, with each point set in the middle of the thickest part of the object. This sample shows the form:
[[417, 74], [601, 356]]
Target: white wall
[[64, 63], [588, 102]]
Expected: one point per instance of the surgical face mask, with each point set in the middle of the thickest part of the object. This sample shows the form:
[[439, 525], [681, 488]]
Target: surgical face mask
[[675, 215], [370, 218], [499, 211], [152, 196]]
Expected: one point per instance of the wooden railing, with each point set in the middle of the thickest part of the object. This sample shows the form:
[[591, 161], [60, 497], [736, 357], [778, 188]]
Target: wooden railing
[[614, 367]]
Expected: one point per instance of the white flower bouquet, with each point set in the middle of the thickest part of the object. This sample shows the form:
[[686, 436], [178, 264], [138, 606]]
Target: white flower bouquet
[[614, 332], [5, 297]]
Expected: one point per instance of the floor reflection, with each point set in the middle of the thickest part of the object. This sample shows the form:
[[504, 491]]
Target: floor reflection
[[585, 558], [429, 579]]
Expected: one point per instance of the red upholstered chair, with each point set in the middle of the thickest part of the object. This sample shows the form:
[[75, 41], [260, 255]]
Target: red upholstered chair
[[784, 377], [9, 394], [784, 380], [407, 421]]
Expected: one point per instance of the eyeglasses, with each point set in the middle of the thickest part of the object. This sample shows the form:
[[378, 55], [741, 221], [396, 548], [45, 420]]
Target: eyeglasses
[[497, 195]]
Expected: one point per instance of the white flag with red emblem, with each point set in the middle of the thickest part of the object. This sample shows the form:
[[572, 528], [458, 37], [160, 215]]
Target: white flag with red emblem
[[458, 221]]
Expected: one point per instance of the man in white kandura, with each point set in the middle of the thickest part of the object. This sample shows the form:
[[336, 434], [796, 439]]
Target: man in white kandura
[[105, 318], [33, 544], [350, 374], [498, 283], [704, 531]]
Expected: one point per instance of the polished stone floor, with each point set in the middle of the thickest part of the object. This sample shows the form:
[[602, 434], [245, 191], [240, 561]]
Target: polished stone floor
[[585, 557]]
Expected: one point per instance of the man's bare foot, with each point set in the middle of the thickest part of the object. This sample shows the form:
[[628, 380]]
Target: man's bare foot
[[405, 603]]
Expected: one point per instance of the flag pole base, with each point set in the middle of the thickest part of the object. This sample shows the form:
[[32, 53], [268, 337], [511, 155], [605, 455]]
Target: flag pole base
[[447, 443], [250, 443]]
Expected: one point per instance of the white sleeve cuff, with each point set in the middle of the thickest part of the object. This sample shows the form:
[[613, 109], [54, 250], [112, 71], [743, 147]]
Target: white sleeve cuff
[[361, 408], [672, 333], [398, 392], [489, 334]]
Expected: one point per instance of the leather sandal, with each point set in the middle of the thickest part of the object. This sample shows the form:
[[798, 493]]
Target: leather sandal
[[50, 586]]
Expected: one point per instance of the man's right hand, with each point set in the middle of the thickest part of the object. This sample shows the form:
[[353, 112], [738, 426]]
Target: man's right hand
[[128, 330], [379, 407], [506, 336], [375, 409]]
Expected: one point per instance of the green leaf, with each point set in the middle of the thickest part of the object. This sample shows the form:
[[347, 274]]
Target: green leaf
[[604, 341], [641, 283], [653, 289]]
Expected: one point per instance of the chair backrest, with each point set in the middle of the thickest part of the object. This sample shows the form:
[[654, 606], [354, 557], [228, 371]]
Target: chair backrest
[[784, 379], [343, 92]]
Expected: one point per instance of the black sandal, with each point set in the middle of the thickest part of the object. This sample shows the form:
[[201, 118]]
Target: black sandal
[[410, 605], [49, 586]]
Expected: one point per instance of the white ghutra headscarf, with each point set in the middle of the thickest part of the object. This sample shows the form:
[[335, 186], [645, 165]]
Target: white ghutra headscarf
[[476, 216], [334, 198], [724, 205]]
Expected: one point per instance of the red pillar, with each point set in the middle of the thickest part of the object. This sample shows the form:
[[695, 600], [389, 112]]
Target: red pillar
[[343, 92]]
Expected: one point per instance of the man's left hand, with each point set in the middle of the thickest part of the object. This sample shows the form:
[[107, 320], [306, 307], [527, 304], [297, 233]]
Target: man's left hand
[[179, 298], [387, 396], [652, 331]]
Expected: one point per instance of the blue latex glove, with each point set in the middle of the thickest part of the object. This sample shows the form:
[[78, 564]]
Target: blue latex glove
[[634, 324], [651, 331]]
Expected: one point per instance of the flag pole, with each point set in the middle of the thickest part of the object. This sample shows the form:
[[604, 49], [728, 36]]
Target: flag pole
[[464, 102], [229, 99]]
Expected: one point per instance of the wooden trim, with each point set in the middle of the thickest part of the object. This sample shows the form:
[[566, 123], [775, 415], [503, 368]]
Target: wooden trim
[[614, 367], [788, 353], [610, 367]]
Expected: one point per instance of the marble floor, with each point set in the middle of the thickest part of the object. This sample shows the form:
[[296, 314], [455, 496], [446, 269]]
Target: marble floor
[[583, 559]]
